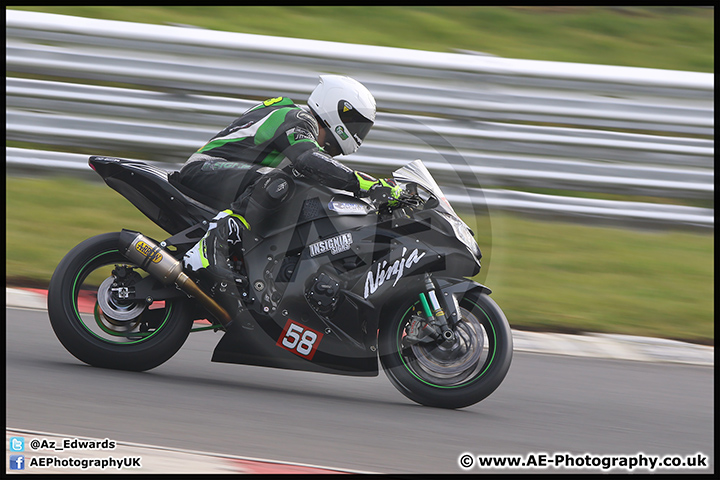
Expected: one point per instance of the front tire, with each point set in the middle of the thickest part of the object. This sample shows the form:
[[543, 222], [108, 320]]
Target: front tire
[[450, 376], [101, 329]]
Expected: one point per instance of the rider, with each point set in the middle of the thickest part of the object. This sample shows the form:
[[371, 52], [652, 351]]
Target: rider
[[228, 167]]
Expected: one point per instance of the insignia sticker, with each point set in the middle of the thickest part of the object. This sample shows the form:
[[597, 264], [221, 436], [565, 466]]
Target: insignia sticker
[[334, 245]]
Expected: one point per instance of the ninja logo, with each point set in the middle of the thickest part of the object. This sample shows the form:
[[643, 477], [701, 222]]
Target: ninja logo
[[385, 271]]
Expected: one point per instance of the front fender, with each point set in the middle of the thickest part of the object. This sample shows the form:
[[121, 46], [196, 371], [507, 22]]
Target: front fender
[[450, 290], [459, 285]]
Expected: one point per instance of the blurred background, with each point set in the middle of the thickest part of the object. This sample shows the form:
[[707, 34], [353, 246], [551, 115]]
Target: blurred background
[[578, 142]]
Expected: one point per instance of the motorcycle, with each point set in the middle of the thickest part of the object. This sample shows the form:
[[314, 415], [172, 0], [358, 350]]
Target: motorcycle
[[330, 283]]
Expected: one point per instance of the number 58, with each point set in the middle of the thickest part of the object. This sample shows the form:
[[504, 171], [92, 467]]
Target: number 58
[[299, 339]]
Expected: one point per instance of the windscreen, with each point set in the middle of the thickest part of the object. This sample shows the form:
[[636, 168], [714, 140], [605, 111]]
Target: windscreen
[[417, 172]]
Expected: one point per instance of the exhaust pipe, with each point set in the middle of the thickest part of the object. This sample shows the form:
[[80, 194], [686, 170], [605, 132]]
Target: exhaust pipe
[[149, 256]]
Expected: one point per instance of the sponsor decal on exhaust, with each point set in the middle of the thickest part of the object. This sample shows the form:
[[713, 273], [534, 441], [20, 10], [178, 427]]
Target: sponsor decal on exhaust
[[148, 251], [385, 271]]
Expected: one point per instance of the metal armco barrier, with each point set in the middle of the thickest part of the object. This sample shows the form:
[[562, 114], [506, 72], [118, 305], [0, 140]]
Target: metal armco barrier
[[158, 93]]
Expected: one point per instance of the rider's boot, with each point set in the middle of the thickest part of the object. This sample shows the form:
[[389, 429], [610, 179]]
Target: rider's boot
[[209, 258]]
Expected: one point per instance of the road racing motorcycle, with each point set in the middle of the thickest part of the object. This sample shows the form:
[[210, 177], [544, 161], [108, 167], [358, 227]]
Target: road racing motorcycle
[[330, 283]]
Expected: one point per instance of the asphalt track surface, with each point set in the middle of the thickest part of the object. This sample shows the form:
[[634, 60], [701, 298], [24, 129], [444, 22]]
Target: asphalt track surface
[[548, 404]]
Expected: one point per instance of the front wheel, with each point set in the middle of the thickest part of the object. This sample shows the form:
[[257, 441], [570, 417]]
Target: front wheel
[[99, 323], [449, 376]]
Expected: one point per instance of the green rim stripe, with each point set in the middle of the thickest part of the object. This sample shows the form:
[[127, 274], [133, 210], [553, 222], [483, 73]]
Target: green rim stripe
[[478, 377], [75, 293]]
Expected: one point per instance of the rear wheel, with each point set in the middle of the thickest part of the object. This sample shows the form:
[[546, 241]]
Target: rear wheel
[[96, 318], [453, 375]]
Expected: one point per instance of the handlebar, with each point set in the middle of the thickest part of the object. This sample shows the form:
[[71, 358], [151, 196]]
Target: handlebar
[[408, 198]]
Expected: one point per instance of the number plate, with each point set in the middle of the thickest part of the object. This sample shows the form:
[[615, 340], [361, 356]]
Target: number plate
[[299, 339]]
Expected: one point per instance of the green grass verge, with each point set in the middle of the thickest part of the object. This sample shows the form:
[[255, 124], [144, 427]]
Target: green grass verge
[[567, 277], [677, 38], [545, 275]]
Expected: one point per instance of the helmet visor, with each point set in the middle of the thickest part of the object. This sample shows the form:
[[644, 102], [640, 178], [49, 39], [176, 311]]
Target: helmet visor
[[356, 123]]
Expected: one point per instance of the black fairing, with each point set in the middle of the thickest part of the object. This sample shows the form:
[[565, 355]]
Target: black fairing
[[333, 274], [148, 188], [377, 261]]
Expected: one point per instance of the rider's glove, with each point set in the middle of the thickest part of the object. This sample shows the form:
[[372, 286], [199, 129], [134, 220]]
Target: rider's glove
[[385, 191], [366, 182], [379, 191]]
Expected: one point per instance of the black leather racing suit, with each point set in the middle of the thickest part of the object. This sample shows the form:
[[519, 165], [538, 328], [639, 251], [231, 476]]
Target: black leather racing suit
[[226, 169]]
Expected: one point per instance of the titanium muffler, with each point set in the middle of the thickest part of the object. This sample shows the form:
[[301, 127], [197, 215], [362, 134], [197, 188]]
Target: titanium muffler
[[149, 256]]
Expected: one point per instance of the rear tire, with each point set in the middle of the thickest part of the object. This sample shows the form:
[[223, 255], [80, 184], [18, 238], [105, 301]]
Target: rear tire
[[112, 333], [454, 377]]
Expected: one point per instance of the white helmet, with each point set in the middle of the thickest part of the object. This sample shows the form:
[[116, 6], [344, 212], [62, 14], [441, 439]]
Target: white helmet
[[346, 108]]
